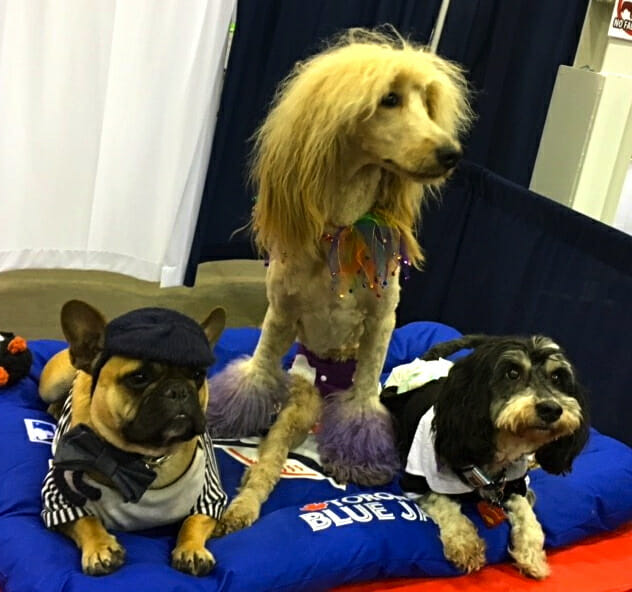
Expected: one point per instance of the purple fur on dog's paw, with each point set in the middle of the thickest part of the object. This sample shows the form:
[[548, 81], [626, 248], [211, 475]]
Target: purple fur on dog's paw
[[243, 402], [356, 442]]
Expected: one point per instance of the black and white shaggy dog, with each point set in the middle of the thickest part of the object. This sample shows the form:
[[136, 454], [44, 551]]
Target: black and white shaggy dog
[[471, 434]]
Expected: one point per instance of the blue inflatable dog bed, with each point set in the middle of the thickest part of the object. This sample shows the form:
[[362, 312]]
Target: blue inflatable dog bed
[[313, 534]]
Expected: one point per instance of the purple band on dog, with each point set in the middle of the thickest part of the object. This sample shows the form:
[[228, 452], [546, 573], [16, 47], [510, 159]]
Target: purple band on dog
[[331, 375]]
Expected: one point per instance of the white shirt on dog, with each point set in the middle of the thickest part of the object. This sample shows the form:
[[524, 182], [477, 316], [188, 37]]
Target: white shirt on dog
[[156, 507], [422, 461]]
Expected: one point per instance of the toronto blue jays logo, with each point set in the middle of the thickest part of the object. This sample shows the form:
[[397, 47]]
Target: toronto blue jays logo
[[360, 508]]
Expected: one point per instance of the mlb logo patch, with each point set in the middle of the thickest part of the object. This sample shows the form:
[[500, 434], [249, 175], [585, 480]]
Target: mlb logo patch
[[40, 431]]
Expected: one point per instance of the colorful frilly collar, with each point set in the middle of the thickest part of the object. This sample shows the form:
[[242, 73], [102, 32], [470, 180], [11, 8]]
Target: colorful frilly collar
[[365, 254]]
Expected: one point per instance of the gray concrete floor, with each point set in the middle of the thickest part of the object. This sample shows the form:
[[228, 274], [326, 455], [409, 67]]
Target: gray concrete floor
[[30, 300]]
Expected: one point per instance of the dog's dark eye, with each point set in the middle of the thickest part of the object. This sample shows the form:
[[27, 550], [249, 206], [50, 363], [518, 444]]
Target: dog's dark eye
[[391, 100], [198, 376], [513, 373], [138, 380], [557, 376]]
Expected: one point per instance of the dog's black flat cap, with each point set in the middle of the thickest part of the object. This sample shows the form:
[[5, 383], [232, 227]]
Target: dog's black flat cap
[[156, 334]]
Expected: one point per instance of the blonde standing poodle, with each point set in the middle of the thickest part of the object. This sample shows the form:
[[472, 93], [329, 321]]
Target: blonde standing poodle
[[355, 138]]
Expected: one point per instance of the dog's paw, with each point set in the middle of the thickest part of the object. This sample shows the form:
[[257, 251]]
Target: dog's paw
[[102, 557], [527, 538], [241, 513], [192, 559], [464, 548], [467, 558], [532, 562], [356, 441], [243, 401]]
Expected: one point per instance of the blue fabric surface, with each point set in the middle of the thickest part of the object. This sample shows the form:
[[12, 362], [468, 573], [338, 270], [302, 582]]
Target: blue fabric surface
[[313, 534]]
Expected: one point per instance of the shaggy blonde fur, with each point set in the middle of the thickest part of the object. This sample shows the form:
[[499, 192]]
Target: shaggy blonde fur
[[461, 543], [362, 127], [294, 422], [527, 538], [466, 549], [325, 120]]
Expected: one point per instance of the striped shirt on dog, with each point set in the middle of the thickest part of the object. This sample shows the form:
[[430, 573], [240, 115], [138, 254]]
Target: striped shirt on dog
[[197, 491]]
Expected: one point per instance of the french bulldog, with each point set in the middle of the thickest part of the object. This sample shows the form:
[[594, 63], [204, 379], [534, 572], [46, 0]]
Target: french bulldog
[[131, 450]]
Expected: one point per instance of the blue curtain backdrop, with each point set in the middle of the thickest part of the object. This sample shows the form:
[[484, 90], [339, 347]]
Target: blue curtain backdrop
[[511, 49]]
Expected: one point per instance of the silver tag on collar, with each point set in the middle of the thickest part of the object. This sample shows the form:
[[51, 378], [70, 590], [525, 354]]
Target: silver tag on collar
[[488, 489], [476, 478], [152, 462]]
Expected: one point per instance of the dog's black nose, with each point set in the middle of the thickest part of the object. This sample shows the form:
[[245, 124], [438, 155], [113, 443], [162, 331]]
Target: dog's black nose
[[176, 391], [548, 411], [448, 156]]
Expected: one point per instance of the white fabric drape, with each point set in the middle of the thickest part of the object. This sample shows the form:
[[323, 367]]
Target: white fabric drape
[[107, 111]]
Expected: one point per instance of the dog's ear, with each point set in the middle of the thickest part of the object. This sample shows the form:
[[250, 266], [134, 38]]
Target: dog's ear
[[557, 457], [214, 324], [84, 328], [464, 433]]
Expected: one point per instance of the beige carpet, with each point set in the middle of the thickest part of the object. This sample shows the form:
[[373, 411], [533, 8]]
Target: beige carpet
[[30, 300]]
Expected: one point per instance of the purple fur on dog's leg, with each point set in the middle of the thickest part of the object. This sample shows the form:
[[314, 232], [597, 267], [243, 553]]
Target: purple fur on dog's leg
[[243, 402], [356, 442]]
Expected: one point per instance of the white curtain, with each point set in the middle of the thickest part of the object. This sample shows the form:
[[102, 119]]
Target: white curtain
[[107, 112]]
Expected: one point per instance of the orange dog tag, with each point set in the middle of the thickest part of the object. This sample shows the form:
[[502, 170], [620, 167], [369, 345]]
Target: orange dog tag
[[491, 514]]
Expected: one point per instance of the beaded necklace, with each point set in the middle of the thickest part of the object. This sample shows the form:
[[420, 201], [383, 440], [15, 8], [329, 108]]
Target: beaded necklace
[[365, 254]]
